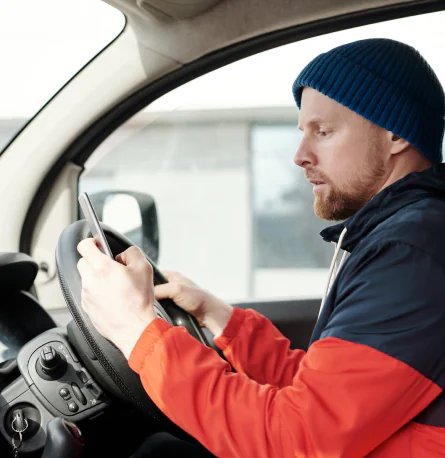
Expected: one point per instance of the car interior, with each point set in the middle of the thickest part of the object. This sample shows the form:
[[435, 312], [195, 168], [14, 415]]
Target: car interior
[[64, 389]]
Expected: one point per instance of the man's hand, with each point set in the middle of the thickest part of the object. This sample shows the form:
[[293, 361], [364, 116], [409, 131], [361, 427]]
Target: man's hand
[[117, 296], [211, 312]]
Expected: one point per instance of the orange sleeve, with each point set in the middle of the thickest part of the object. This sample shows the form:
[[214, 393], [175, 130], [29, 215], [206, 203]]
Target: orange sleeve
[[255, 347], [345, 399]]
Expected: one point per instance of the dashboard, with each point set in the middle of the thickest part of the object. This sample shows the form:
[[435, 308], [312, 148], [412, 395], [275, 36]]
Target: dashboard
[[50, 381]]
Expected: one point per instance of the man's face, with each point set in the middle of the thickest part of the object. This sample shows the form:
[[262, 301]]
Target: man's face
[[342, 156]]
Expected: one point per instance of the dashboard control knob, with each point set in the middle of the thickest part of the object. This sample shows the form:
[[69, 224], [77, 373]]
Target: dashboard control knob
[[49, 359], [51, 363]]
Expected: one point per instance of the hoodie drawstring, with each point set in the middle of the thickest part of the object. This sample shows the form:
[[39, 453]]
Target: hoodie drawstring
[[331, 275], [343, 259]]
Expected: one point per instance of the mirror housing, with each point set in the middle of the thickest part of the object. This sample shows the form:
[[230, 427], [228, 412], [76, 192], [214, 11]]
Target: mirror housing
[[146, 236]]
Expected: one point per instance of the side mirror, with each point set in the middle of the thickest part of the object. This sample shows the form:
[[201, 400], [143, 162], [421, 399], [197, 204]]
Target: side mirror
[[131, 213]]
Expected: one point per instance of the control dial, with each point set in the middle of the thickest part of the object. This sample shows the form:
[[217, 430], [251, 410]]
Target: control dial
[[51, 363]]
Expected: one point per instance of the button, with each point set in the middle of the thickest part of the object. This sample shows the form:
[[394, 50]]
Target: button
[[79, 395], [94, 389], [73, 407], [84, 376], [47, 349], [69, 354], [64, 392]]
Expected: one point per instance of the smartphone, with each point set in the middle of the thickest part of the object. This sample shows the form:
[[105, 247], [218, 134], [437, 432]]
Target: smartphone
[[94, 225]]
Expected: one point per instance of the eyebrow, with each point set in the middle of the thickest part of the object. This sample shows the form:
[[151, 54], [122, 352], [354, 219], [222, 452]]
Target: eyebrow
[[313, 120]]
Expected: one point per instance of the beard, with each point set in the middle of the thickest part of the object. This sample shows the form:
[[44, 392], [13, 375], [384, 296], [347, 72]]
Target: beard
[[337, 204]]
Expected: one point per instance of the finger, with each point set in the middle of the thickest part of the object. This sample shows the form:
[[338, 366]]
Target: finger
[[176, 277], [89, 250], [132, 256], [166, 291], [170, 275]]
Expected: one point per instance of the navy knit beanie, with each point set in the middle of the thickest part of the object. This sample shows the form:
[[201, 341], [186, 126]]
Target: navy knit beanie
[[387, 82]]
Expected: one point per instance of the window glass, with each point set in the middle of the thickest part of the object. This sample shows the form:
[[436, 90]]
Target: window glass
[[216, 155], [284, 224], [42, 45]]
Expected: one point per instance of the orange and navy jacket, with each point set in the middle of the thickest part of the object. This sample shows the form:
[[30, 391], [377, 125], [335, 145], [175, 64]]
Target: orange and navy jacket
[[372, 380]]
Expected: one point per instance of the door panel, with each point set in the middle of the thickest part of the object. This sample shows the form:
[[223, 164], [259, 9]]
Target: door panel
[[294, 318]]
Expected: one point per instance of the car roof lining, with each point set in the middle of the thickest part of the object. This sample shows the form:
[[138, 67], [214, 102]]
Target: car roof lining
[[232, 21]]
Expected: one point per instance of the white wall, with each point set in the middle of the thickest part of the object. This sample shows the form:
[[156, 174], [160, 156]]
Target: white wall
[[204, 222]]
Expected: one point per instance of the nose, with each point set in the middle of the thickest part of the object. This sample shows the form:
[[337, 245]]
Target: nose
[[305, 157]]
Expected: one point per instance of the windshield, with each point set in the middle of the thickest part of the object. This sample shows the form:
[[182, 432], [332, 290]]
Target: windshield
[[42, 45]]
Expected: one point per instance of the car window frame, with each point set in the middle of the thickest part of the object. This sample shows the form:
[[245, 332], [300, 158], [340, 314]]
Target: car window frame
[[87, 142]]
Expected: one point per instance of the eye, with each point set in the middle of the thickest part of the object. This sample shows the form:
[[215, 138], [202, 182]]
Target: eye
[[322, 133]]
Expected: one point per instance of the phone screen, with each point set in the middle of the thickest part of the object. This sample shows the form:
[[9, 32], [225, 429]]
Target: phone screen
[[94, 225]]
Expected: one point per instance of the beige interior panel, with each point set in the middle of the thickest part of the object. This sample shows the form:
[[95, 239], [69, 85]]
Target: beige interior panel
[[59, 211], [231, 21]]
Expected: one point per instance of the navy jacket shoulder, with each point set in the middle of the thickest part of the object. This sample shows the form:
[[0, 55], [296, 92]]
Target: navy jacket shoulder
[[390, 294]]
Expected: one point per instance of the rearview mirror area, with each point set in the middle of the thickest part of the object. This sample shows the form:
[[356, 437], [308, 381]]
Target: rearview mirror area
[[133, 214]]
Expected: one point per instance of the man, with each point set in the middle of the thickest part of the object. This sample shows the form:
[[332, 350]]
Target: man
[[372, 381]]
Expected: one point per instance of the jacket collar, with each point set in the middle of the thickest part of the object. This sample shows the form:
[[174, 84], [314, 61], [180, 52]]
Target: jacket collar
[[409, 189]]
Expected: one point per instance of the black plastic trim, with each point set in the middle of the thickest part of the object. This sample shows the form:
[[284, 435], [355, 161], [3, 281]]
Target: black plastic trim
[[27, 361], [81, 148], [17, 271]]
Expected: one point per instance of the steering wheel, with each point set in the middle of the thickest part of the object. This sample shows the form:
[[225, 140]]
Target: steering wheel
[[103, 359]]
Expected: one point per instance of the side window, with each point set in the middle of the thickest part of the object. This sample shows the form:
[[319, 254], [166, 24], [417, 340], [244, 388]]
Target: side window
[[216, 155]]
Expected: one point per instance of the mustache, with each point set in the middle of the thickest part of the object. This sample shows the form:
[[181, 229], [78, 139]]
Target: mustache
[[316, 176]]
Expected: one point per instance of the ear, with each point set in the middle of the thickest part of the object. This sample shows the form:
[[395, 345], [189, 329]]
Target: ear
[[398, 144]]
